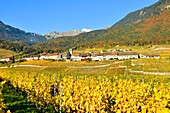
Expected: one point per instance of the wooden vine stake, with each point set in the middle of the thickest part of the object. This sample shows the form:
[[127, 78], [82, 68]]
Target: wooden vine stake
[[28, 97], [55, 86], [143, 81], [60, 97]]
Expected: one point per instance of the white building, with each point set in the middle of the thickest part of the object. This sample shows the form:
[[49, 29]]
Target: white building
[[110, 55], [5, 59], [54, 56], [75, 57], [150, 56], [128, 55], [28, 58], [97, 57]]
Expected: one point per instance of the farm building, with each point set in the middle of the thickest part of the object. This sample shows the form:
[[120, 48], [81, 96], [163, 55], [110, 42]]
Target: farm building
[[75, 57], [7, 59], [127, 55], [156, 56], [110, 55]]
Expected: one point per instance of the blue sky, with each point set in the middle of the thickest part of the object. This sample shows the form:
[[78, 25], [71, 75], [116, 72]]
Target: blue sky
[[43, 16]]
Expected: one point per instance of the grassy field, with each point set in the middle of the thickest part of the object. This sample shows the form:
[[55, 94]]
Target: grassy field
[[4, 53], [152, 65], [64, 64]]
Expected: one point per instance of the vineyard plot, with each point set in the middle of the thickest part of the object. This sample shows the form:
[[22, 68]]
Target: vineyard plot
[[92, 92]]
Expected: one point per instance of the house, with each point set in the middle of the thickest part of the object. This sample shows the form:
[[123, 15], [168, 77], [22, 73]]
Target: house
[[54, 56], [64, 56], [7, 59], [156, 56], [75, 57], [85, 56], [127, 55], [97, 57], [35, 58], [42, 56], [110, 55]]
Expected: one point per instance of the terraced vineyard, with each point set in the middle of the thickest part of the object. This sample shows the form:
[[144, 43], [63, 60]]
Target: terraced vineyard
[[151, 65], [62, 64]]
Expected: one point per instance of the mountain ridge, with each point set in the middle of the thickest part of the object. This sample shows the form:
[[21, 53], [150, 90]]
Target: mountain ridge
[[8, 32], [153, 30], [143, 13], [55, 34]]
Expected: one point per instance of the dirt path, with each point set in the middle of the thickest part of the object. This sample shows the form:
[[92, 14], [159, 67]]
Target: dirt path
[[148, 73], [106, 65], [29, 66], [99, 66]]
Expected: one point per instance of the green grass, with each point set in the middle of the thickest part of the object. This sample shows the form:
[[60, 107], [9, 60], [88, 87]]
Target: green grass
[[16, 102]]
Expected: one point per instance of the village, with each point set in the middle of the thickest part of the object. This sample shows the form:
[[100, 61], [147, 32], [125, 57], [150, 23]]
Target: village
[[120, 54]]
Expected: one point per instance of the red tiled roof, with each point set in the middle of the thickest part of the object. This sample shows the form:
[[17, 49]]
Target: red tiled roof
[[111, 53], [152, 55], [53, 54], [8, 56], [128, 53], [100, 54], [75, 55], [84, 54]]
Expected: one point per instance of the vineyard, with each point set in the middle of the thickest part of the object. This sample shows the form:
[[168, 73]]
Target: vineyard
[[83, 90], [151, 65], [62, 64]]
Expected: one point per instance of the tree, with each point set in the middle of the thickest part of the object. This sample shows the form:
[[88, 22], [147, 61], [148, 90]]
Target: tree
[[68, 55], [13, 59]]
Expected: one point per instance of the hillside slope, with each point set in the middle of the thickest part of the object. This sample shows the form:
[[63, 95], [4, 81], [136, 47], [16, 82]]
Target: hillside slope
[[14, 34], [143, 13], [16, 47], [153, 30], [4, 53], [64, 43]]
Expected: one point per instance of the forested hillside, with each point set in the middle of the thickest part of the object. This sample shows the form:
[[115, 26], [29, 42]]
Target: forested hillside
[[143, 13], [14, 34], [16, 47], [64, 43], [154, 30]]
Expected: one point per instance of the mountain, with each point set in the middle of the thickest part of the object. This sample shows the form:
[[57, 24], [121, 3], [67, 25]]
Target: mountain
[[64, 43], [144, 13], [14, 34], [55, 34], [153, 29]]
